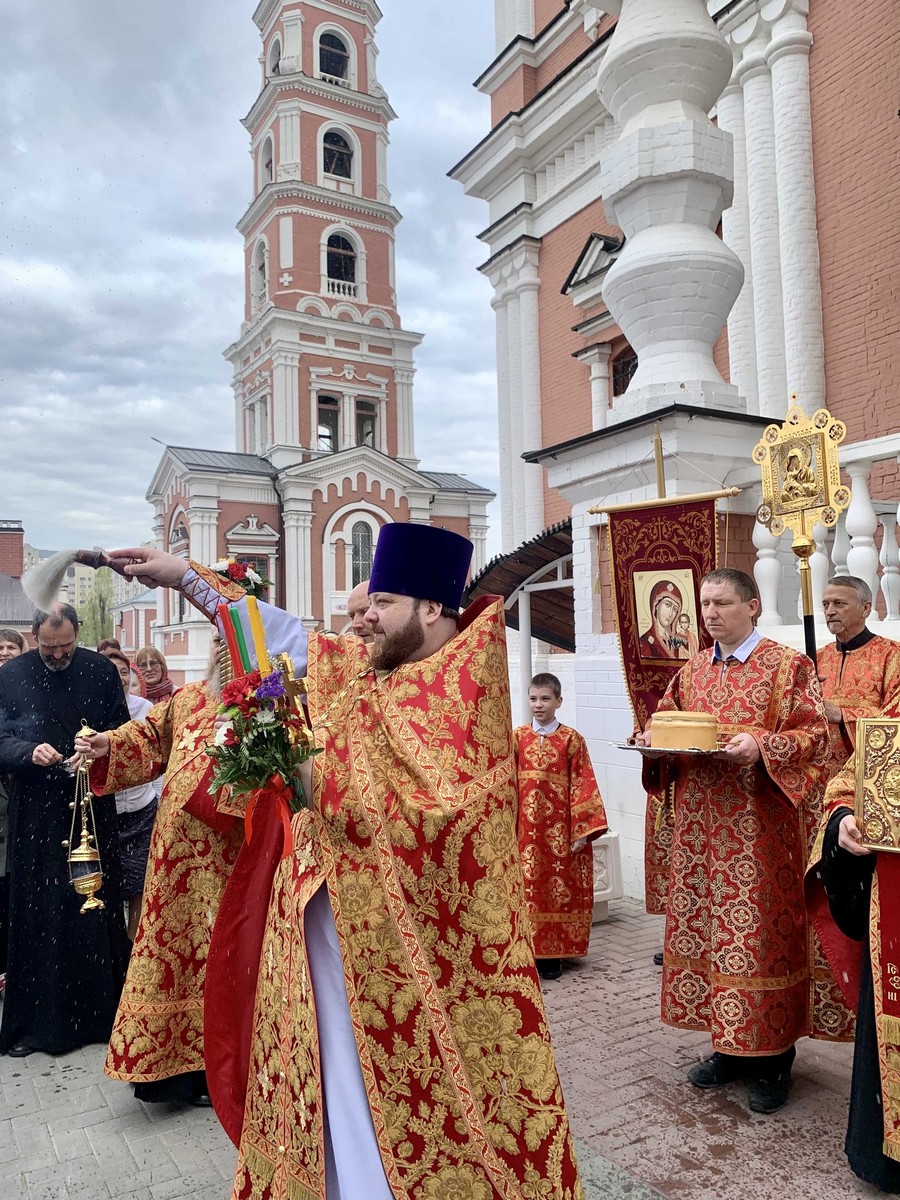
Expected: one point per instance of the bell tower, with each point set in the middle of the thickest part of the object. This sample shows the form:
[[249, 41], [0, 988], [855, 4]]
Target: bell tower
[[322, 363]]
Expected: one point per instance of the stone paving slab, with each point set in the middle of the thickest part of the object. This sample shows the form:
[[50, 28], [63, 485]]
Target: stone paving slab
[[642, 1132]]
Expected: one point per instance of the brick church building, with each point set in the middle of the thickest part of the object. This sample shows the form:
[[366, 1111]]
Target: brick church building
[[323, 368]]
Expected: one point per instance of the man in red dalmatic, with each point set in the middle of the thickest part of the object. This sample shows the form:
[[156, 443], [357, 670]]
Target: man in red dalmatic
[[560, 813], [399, 1048], [859, 670], [740, 959]]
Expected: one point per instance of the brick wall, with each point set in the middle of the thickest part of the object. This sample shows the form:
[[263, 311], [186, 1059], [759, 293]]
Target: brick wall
[[856, 142], [12, 552]]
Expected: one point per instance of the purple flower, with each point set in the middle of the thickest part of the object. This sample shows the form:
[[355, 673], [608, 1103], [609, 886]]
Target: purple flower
[[271, 688]]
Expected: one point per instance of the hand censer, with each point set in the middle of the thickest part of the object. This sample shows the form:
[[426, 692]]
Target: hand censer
[[85, 868]]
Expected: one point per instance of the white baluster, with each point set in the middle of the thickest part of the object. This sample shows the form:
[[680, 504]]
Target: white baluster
[[818, 564], [767, 573], [890, 571], [862, 521], [840, 548]]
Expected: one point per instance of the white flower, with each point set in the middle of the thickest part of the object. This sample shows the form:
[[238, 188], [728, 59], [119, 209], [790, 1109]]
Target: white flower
[[253, 577], [221, 732], [221, 565], [264, 717]]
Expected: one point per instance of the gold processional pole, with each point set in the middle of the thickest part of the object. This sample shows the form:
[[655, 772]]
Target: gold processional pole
[[801, 487]]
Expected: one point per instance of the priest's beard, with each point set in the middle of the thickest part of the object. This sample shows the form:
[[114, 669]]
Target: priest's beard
[[56, 664], [393, 649]]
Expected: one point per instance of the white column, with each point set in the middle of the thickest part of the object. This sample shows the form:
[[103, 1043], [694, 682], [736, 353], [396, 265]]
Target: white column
[[532, 473], [288, 148], [765, 255], [736, 232], [347, 419], [890, 570], [203, 523], [788, 59], [516, 432], [767, 573], [525, 647], [298, 562], [840, 547], [291, 51], [597, 358], [862, 521], [500, 306], [403, 384], [286, 398]]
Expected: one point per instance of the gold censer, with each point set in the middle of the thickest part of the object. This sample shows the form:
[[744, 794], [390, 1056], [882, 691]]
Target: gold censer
[[85, 868]]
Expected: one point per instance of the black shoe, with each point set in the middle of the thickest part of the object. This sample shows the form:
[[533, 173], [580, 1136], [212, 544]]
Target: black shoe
[[768, 1095], [549, 968], [19, 1050], [716, 1071], [202, 1100], [658, 958]]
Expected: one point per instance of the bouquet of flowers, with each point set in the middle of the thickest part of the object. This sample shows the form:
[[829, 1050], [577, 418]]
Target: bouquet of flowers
[[240, 572], [263, 741]]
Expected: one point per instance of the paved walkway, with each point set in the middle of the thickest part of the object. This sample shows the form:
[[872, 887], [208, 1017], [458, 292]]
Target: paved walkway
[[67, 1133]]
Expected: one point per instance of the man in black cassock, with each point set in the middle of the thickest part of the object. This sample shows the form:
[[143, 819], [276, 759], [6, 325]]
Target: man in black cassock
[[65, 969]]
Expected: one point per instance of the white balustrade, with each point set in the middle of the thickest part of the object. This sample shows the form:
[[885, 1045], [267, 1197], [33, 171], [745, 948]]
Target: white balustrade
[[861, 521], [890, 569], [767, 573], [840, 549]]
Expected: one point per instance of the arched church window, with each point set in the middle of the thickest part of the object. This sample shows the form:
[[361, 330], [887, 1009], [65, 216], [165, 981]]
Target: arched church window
[[623, 368], [275, 57], [362, 551], [329, 424], [267, 162], [334, 59], [337, 155], [259, 277], [341, 259]]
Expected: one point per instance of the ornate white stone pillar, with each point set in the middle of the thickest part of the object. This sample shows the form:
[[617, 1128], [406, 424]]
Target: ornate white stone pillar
[[736, 232], [762, 192], [516, 432], [298, 562], [403, 384], [890, 570], [500, 305], [597, 358], [203, 523], [788, 60], [289, 148], [862, 521], [291, 51], [529, 347], [286, 398], [840, 547], [767, 573], [666, 182]]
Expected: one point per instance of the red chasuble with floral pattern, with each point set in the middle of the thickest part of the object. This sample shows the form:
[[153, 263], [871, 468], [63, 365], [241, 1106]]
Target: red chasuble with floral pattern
[[559, 804], [159, 1025], [414, 831], [740, 958], [860, 682]]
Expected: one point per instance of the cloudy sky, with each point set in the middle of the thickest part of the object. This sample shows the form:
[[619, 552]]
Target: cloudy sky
[[123, 169]]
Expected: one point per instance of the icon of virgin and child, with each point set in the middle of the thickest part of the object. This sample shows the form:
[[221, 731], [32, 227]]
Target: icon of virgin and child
[[668, 627]]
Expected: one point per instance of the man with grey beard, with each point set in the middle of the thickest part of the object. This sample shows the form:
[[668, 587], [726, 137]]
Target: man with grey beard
[[158, 1039], [65, 969]]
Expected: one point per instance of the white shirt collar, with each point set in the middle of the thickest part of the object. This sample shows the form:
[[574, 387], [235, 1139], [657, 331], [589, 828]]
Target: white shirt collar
[[551, 727], [742, 652]]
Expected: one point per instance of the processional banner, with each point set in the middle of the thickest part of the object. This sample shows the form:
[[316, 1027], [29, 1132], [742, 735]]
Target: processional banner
[[658, 555]]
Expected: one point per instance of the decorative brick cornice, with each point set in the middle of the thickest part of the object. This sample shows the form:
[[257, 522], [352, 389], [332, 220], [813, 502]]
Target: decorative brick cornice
[[277, 85], [271, 195]]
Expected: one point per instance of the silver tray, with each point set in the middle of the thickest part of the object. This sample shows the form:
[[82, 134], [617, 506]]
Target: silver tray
[[656, 752]]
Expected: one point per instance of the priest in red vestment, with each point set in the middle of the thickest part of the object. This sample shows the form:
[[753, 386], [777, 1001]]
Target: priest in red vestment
[[400, 1048], [859, 670], [739, 956], [157, 1042], [560, 814]]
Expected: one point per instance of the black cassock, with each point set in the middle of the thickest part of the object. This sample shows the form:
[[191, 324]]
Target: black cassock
[[65, 969], [847, 879]]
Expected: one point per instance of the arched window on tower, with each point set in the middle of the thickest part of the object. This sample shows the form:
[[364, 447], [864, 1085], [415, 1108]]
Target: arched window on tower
[[337, 155], [267, 163], [361, 535], [334, 60], [259, 278], [340, 266], [623, 368], [275, 57]]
